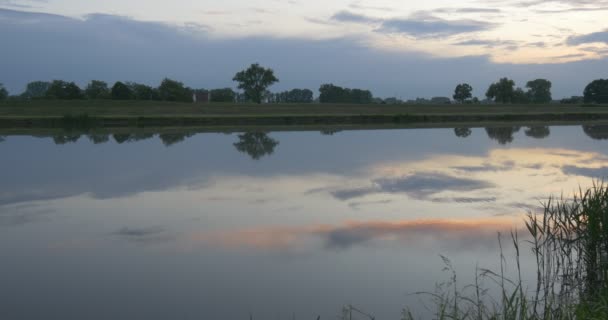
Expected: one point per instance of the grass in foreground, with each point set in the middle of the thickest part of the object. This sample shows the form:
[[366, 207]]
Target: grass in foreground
[[570, 243]]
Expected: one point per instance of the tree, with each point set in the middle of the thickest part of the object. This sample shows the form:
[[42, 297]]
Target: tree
[[256, 144], [63, 90], [463, 92], [171, 90], [501, 91], [519, 96], [597, 92], [170, 139], [255, 81], [330, 93], [36, 90], [539, 91], [121, 91], [143, 92], [3, 92], [97, 90], [222, 95]]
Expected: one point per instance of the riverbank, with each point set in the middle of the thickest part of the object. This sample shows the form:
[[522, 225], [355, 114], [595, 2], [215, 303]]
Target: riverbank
[[116, 114]]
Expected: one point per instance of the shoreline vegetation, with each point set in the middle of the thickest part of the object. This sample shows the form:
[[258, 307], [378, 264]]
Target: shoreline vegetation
[[159, 114]]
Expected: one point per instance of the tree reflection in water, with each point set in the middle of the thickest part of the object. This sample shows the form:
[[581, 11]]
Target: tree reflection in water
[[504, 135], [596, 132], [538, 132], [256, 144], [462, 132]]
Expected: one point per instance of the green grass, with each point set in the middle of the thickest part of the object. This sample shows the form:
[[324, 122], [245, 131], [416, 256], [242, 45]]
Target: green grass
[[110, 108]]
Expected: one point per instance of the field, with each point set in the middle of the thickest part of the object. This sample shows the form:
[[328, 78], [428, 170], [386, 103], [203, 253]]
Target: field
[[108, 113]]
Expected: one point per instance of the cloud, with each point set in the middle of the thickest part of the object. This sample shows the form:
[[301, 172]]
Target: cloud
[[347, 16], [453, 234], [148, 235], [595, 37], [430, 27], [596, 173], [419, 185]]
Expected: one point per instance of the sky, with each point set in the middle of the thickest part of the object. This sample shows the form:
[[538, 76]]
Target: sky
[[406, 49]]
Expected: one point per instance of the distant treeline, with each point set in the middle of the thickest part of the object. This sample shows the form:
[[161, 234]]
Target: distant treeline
[[256, 80]]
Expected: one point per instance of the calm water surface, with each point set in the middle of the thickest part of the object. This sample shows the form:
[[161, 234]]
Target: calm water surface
[[218, 226]]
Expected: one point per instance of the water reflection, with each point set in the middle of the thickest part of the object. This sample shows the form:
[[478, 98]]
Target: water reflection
[[203, 229], [256, 144], [462, 132], [504, 135], [596, 132], [538, 132]]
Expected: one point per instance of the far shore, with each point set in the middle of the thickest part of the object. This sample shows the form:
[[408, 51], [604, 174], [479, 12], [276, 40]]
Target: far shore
[[232, 117]]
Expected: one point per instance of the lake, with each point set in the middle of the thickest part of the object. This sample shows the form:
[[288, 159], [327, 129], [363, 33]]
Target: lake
[[277, 225]]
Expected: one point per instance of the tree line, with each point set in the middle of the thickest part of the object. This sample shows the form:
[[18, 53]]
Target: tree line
[[255, 81]]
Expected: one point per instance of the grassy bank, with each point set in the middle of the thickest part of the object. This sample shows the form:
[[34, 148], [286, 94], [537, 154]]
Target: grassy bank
[[570, 243], [108, 113]]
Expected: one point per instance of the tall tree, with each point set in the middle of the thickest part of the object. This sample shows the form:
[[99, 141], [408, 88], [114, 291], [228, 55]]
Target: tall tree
[[502, 91], [143, 92], [463, 92], [63, 90], [597, 92], [539, 91], [36, 90], [3, 92], [329, 93], [222, 95], [255, 81], [97, 90], [121, 91], [171, 90]]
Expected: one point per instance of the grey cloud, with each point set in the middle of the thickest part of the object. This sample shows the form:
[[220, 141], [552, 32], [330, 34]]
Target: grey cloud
[[130, 50], [601, 36], [419, 186], [433, 26], [144, 235], [347, 16], [599, 173], [487, 43]]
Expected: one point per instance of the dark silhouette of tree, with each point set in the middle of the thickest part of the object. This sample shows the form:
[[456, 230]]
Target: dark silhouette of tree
[[121, 91], [330, 93], [97, 90], [98, 138], [539, 91], [170, 139], [121, 138], [255, 81], [538, 132], [573, 100], [66, 138], [293, 96], [501, 91], [462, 132], [463, 92], [519, 96], [596, 132], [171, 90], [597, 92], [3, 92], [62, 90], [329, 132], [504, 135], [256, 144], [36, 90], [143, 92], [222, 95]]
